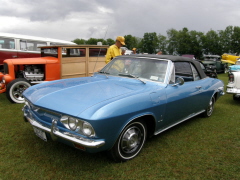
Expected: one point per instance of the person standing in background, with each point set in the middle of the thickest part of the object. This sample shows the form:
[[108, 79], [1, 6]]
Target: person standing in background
[[115, 49], [134, 50]]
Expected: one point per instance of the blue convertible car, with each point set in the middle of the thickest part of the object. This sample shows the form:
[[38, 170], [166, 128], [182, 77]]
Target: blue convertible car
[[116, 109]]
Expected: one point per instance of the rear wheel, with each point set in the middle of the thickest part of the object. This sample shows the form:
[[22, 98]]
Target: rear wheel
[[15, 90], [209, 110], [130, 142]]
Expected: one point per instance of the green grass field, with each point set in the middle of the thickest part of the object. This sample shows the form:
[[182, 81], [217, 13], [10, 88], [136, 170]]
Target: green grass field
[[201, 148]]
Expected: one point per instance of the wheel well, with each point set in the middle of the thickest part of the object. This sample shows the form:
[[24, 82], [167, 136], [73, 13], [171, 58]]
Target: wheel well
[[216, 96], [150, 123]]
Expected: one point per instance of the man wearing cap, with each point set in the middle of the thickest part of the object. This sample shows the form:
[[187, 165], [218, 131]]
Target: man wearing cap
[[115, 49], [134, 50]]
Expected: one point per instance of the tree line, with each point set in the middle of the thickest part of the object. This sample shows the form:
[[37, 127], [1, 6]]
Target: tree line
[[181, 42]]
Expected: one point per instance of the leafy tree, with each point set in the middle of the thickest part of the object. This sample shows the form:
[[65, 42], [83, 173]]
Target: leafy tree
[[172, 41], [131, 42], [150, 43], [181, 42], [162, 43], [92, 41], [79, 41], [211, 43], [236, 40], [196, 47], [110, 42], [226, 39], [184, 42]]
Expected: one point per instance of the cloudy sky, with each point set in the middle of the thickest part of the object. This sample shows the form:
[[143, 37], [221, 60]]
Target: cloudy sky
[[71, 19]]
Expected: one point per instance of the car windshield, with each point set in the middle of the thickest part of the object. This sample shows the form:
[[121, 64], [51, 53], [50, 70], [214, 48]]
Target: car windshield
[[53, 52], [150, 69]]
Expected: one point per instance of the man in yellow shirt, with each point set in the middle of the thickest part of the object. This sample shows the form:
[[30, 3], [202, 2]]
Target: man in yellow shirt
[[115, 49]]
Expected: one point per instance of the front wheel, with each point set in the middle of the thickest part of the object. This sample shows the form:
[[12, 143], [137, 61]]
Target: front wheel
[[209, 110], [15, 90], [130, 142]]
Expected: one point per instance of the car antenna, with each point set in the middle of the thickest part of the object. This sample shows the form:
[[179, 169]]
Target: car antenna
[[100, 49]]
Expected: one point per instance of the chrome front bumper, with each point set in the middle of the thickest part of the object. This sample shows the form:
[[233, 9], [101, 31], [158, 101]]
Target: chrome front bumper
[[55, 133]]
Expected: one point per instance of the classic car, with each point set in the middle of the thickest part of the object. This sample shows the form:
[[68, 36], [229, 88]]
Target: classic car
[[215, 62], [133, 97], [230, 58], [234, 68], [210, 70], [233, 86]]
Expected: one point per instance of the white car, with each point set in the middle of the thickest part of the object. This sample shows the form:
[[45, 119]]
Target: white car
[[127, 51], [233, 86]]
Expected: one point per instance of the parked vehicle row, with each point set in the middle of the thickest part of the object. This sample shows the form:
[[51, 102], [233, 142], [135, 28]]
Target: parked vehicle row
[[214, 62]]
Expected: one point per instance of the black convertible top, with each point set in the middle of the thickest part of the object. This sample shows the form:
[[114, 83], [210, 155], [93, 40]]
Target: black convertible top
[[195, 63]]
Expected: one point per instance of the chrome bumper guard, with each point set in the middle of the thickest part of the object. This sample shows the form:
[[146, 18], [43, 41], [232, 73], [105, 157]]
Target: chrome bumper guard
[[55, 133], [221, 91]]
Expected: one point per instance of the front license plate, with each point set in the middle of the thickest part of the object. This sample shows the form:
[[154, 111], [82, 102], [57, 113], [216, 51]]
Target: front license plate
[[41, 134]]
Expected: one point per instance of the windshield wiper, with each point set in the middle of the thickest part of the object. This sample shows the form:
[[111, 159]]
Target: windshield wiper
[[132, 76], [104, 72]]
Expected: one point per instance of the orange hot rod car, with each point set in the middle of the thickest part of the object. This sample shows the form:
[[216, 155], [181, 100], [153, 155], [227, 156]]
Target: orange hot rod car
[[56, 62]]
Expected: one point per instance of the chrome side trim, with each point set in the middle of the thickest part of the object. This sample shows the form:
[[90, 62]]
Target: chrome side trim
[[55, 133], [189, 117]]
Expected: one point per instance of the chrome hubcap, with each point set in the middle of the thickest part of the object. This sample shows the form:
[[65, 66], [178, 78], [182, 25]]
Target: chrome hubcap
[[131, 139], [210, 107], [18, 91]]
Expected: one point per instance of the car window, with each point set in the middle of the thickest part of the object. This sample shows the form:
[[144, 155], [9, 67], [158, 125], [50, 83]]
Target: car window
[[195, 73], [74, 52], [183, 70], [53, 52], [202, 66], [6, 43], [97, 52], [150, 69]]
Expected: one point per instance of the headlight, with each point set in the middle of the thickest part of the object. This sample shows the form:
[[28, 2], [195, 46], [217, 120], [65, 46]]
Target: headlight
[[78, 125], [87, 129], [72, 123]]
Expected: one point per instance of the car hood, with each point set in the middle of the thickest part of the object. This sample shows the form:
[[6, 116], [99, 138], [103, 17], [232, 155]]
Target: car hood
[[73, 96]]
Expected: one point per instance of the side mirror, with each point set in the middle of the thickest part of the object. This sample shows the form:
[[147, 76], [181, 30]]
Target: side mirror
[[179, 81]]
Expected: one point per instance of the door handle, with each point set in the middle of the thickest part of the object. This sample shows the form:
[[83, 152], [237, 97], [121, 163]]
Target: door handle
[[198, 87], [14, 56]]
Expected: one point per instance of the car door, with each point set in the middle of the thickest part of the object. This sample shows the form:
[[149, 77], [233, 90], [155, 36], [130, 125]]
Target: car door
[[184, 101]]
